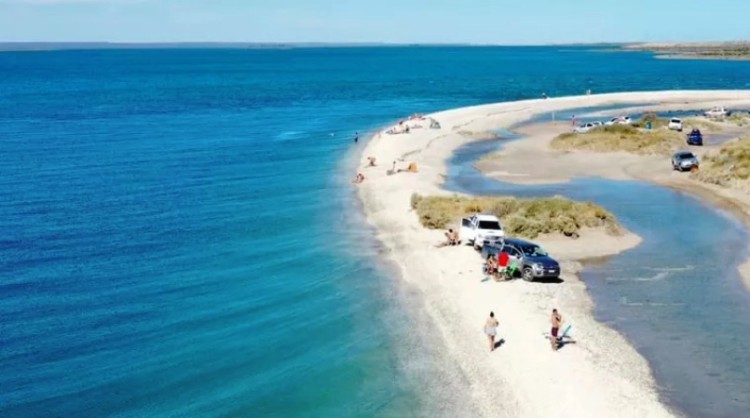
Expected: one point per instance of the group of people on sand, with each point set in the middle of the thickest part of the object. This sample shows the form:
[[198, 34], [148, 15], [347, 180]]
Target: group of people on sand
[[500, 267], [556, 320], [411, 168]]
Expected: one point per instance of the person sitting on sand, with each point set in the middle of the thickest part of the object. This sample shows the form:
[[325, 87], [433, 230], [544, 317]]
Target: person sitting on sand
[[371, 161], [451, 238], [491, 265], [490, 329], [556, 320], [359, 178]]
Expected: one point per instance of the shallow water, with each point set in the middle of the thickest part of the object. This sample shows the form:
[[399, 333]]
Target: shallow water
[[677, 297], [180, 237]]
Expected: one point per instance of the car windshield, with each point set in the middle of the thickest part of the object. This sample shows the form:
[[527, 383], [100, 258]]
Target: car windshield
[[685, 156], [489, 225], [532, 250], [676, 121]]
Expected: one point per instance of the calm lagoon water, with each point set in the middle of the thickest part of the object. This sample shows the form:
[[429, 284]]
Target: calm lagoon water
[[179, 237], [677, 297]]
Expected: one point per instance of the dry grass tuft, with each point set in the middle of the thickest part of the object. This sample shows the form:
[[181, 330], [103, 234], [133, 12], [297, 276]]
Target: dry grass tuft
[[620, 138], [728, 166], [521, 217], [703, 124], [739, 119], [656, 122]]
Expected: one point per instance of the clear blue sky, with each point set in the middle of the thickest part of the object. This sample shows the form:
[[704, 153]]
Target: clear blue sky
[[400, 21]]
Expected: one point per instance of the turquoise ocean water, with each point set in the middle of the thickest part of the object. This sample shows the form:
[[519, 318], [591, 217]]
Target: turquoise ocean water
[[179, 237]]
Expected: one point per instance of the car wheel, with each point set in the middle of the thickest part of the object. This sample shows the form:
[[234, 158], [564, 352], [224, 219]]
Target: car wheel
[[476, 246], [528, 275]]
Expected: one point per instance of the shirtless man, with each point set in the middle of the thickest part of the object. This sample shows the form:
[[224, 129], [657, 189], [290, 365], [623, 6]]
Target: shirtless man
[[451, 238], [557, 320]]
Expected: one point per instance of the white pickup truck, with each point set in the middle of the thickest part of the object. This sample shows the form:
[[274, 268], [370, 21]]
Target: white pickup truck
[[480, 228]]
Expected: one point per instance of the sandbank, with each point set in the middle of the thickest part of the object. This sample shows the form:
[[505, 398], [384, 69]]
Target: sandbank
[[600, 375], [553, 166]]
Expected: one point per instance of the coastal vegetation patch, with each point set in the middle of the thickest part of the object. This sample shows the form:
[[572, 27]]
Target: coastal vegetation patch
[[702, 124], [729, 166], [739, 119], [620, 138], [706, 50], [656, 122], [527, 218]]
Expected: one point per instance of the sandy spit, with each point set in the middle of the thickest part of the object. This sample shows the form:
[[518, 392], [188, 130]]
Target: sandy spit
[[600, 375]]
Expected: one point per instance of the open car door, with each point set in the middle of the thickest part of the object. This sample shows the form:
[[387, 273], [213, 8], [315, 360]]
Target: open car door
[[467, 231]]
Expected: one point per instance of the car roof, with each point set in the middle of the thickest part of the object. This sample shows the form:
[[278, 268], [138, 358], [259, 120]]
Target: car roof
[[683, 153], [518, 241]]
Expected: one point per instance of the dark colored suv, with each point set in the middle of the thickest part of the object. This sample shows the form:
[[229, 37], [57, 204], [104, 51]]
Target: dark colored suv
[[695, 137], [533, 261]]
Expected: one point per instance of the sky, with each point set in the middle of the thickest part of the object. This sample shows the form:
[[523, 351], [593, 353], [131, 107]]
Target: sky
[[391, 21]]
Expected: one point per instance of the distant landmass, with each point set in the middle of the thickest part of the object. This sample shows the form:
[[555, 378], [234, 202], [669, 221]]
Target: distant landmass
[[737, 50]]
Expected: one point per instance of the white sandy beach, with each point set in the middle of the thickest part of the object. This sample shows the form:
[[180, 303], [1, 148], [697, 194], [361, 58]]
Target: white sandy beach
[[601, 375]]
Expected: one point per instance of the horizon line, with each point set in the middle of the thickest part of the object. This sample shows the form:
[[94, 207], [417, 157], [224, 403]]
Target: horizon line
[[10, 46], [46, 45]]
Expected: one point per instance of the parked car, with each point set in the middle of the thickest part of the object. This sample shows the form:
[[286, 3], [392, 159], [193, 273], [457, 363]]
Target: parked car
[[684, 161], [597, 124], [716, 113], [675, 124], [620, 120], [481, 229], [583, 128], [533, 261], [695, 137]]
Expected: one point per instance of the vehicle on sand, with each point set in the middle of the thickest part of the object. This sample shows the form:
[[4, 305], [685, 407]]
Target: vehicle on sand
[[620, 120], [533, 261], [481, 229], [583, 128], [716, 113], [675, 124], [684, 161], [695, 137]]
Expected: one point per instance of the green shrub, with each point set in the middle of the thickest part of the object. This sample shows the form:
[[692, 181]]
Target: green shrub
[[522, 217], [620, 138]]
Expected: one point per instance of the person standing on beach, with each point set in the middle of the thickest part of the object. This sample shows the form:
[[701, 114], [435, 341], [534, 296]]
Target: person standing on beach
[[490, 328], [556, 320], [573, 120], [356, 137]]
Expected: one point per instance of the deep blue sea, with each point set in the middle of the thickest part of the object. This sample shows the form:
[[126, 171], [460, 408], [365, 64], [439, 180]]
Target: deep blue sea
[[178, 236]]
